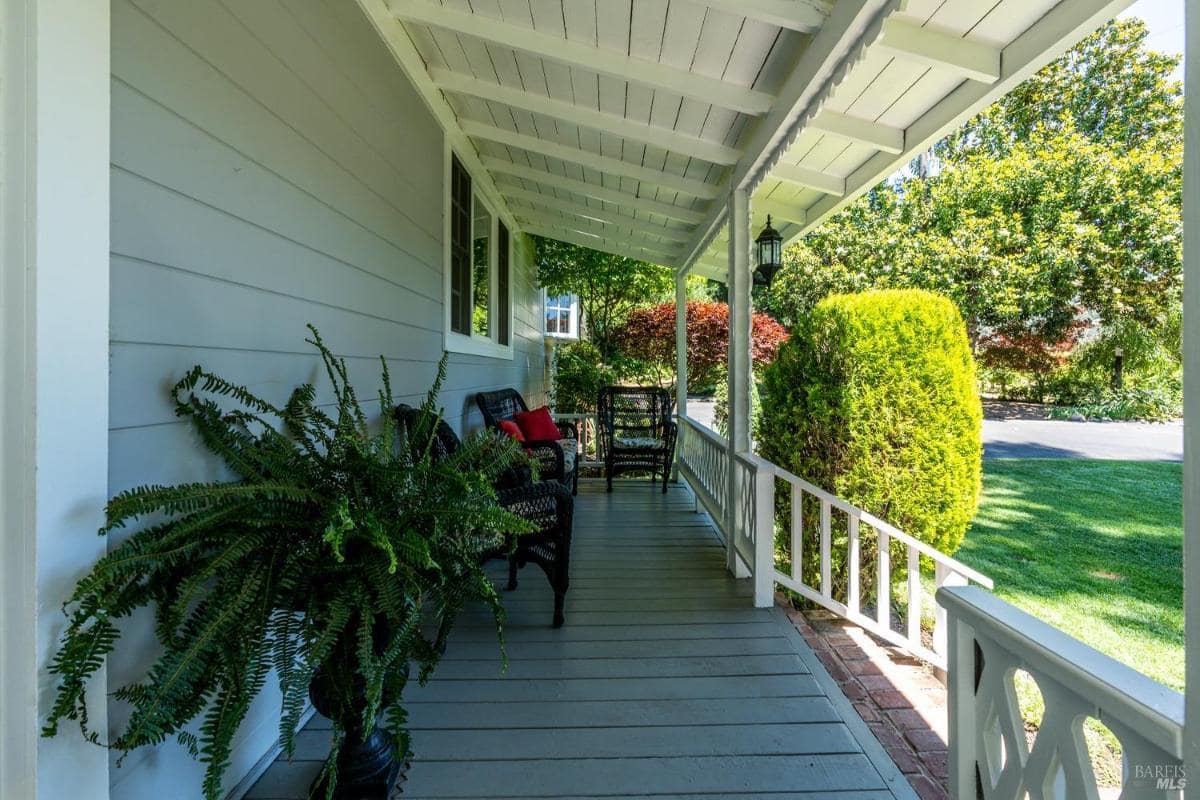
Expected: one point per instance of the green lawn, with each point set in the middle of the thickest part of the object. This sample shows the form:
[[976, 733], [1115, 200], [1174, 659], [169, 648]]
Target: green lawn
[[1095, 548]]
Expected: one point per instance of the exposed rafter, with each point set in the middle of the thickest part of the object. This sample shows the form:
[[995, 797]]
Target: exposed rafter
[[857, 129], [605, 164], [583, 55], [810, 179], [805, 16], [555, 220], [778, 210], [682, 143], [933, 48], [593, 190], [804, 88], [551, 203], [604, 246]]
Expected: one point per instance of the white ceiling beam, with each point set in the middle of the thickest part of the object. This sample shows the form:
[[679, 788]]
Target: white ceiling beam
[[810, 179], [586, 56], [809, 82], [603, 164], [778, 211], [798, 15], [551, 203], [1057, 31], [857, 129], [673, 141], [585, 240], [585, 189], [974, 60], [590, 226]]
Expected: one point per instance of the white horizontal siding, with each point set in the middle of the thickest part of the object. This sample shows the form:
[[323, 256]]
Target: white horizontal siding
[[271, 166]]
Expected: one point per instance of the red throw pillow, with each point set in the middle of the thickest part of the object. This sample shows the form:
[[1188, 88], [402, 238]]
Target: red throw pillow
[[538, 425], [510, 427]]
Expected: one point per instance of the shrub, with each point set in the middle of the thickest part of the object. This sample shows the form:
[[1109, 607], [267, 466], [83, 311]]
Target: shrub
[[648, 337], [578, 376], [873, 398]]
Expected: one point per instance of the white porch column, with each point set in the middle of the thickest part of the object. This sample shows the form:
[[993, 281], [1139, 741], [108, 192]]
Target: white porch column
[[54, 230], [1191, 393], [738, 283], [681, 364]]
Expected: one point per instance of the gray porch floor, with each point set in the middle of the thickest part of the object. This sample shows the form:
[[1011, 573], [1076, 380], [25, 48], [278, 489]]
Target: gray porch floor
[[665, 682]]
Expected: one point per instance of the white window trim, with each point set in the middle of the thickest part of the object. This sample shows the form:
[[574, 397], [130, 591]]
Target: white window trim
[[459, 342], [574, 323]]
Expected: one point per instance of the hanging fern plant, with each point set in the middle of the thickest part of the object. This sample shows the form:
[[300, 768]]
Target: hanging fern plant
[[337, 553]]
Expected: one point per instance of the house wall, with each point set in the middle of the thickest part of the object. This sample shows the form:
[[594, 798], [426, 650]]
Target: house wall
[[271, 166]]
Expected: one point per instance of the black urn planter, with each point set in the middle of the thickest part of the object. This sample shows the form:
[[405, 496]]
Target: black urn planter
[[369, 765]]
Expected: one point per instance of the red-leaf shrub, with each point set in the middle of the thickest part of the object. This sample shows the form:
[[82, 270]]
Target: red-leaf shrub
[[648, 336]]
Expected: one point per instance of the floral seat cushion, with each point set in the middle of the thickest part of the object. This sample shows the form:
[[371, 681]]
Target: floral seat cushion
[[569, 454], [638, 443]]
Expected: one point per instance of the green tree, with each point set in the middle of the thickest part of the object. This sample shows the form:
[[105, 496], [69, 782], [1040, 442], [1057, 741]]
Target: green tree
[[608, 286], [1060, 202]]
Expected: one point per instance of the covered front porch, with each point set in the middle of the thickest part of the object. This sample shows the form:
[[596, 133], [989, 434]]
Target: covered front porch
[[664, 682]]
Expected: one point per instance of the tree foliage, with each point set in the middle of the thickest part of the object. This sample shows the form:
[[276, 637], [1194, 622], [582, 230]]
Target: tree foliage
[[648, 336], [873, 398], [608, 286], [335, 551], [1058, 203]]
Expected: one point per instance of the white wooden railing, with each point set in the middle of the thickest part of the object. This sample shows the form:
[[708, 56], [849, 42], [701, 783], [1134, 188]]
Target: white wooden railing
[[703, 461], [586, 425], [989, 640]]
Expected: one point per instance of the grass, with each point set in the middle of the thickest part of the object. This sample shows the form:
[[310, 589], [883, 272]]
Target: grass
[[1094, 548]]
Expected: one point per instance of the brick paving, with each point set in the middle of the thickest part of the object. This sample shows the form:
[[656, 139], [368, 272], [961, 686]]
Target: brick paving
[[898, 696]]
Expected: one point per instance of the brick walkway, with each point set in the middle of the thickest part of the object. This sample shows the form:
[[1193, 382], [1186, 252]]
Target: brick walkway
[[898, 696]]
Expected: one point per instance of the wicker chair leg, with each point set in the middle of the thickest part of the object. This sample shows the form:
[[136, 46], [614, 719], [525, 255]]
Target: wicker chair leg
[[666, 472], [559, 599], [608, 471], [512, 573]]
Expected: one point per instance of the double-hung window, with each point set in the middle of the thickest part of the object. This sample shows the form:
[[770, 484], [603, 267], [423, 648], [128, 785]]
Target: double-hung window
[[479, 285], [562, 316]]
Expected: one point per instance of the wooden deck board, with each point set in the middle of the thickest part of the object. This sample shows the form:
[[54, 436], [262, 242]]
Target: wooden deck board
[[664, 683]]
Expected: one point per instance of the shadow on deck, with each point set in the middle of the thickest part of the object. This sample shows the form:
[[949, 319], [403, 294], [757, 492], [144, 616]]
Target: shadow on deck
[[664, 682]]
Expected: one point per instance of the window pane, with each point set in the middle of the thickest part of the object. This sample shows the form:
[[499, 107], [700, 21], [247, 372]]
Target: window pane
[[551, 321], [502, 290], [460, 247], [564, 320], [481, 276]]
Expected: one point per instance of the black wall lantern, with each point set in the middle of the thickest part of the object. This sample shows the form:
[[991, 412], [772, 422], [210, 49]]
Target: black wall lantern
[[769, 245]]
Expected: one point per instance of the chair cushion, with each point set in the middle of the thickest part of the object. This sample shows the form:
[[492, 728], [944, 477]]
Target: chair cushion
[[538, 425], [511, 428], [570, 456], [639, 443]]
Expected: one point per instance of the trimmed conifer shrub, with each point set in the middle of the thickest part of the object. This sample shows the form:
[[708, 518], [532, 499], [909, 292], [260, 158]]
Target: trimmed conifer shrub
[[874, 399]]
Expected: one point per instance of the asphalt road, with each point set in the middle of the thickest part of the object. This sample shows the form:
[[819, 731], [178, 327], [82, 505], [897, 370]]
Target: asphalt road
[[1018, 431]]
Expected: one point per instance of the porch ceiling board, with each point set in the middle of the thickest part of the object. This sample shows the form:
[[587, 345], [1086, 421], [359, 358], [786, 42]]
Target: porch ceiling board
[[617, 245]]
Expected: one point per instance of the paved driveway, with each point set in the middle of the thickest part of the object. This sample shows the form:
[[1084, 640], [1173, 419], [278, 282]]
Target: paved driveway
[[1017, 430]]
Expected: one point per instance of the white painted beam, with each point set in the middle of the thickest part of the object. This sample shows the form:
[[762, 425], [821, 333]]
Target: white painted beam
[[974, 60], [798, 15], [856, 129], [594, 228], [604, 164], [592, 190], [778, 211], [674, 141], [549, 203], [604, 246], [586, 56], [810, 178], [1191, 391]]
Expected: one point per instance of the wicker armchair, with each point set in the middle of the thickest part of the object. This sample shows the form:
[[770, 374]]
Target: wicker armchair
[[636, 431], [556, 459], [548, 504]]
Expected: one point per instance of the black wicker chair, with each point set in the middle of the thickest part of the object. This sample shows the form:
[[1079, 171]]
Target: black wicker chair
[[556, 459], [548, 504], [637, 433]]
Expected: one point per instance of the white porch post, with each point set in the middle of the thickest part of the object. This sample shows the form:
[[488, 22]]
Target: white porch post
[[681, 364], [54, 229], [1191, 395], [738, 283]]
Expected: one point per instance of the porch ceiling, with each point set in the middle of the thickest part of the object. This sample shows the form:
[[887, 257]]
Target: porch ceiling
[[623, 124]]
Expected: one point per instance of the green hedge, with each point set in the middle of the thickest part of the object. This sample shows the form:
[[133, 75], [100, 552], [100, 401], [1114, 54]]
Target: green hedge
[[874, 398], [579, 374]]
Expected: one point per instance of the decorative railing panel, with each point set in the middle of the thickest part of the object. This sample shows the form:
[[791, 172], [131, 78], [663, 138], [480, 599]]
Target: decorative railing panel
[[990, 757], [702, 458]]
